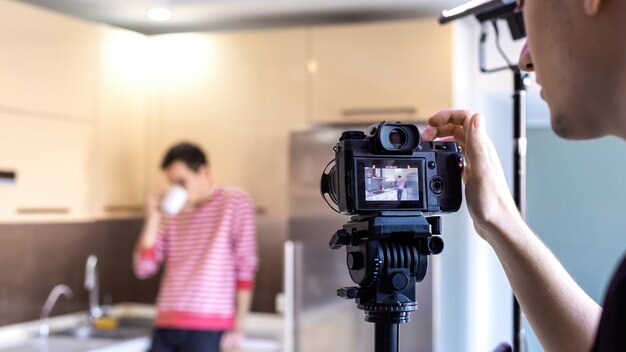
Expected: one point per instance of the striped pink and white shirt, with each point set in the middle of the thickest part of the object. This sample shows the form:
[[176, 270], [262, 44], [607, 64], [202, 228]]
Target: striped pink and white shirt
[[209, 253]]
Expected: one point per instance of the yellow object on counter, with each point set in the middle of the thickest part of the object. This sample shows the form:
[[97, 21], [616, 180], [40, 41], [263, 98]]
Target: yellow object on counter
[[106, 323]]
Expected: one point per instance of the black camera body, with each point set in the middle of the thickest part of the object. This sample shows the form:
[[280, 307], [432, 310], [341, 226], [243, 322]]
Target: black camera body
[[390, 169]]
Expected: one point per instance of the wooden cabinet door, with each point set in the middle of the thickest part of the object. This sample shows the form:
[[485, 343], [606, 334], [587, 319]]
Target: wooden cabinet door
[[240, 103], [53, 161], [49, 63], [385, 71], [122, 124]]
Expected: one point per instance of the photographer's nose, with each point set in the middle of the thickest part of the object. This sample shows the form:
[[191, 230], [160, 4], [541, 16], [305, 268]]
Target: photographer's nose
[[525, 59]]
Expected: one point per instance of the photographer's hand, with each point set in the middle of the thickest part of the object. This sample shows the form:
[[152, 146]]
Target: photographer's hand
[[486, 192], [564, 317]]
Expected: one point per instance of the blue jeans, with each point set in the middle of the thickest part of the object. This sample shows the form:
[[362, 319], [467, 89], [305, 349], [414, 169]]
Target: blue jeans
[[177, 340]]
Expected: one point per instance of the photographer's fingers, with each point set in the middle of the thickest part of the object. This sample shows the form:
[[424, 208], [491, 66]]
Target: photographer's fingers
[[454, 117], [469, 130], [429, 134], [458, 133], [475, 138], [484, 158], [447, 133], [482, 148]]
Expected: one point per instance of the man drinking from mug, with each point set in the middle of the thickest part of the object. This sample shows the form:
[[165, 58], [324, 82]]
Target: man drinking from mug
[[401, 185], [208, 250]]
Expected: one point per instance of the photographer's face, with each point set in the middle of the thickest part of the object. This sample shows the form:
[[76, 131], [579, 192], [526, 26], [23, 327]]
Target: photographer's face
[[571, 64], [194, 182]]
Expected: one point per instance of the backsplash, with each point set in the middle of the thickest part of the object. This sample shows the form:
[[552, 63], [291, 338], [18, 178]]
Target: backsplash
[[36, 257]]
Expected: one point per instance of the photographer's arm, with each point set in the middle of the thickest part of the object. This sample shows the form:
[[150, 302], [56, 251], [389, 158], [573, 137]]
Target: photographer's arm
[[564, 317]]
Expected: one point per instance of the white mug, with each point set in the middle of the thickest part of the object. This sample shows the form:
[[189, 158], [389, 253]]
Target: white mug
[[174, 200]]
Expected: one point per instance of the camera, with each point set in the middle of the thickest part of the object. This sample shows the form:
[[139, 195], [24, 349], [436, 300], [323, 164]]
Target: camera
[[393, 185], [391, 169]]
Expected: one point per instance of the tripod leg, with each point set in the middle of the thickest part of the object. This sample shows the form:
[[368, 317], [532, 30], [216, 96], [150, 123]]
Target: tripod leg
[[387, 337]]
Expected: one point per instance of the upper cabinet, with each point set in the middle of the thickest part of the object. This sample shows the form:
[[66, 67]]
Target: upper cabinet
[[371, 72], [87, 111], [230, 79], [49, 64], [121, 128], [50, 67], [53, 164], [238, 95]]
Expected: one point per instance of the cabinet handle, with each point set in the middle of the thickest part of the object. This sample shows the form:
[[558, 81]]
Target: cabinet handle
[[379, 111], [7, 177], [123, 208], [42, 211]]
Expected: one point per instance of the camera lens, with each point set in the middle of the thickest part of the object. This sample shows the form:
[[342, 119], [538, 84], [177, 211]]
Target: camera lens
[[397, 138], [329, 184], [333, 185]]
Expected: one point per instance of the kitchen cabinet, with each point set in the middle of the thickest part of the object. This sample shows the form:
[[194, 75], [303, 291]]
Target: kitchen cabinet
[[53, 162], [121, 137], [49, 64], [104, 104], [259, 78], [238, 101], [382, 71]]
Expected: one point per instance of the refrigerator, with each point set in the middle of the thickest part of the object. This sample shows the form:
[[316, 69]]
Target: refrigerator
[[316, 320]]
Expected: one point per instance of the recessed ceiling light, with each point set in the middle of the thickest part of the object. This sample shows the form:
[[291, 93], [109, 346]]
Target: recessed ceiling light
[[159, 14]]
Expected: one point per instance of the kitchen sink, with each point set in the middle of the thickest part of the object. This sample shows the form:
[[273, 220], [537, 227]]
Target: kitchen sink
[[128, 328]]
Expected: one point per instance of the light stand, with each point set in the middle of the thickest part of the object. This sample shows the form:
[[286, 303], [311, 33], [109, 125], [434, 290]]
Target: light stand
[[490, 11]]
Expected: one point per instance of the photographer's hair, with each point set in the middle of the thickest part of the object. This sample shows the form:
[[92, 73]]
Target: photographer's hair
[[188, 153]]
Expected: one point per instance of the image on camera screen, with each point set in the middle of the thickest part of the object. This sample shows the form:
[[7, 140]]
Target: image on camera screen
[[391, 184]]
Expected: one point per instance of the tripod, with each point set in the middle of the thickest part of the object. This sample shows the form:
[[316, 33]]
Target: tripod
[[387, 254]]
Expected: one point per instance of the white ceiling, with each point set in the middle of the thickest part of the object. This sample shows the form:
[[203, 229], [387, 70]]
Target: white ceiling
[[194, 15]]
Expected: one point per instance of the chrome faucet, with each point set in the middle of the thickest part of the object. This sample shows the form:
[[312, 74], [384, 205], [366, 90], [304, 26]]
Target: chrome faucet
[[59, 290], [92, 285]]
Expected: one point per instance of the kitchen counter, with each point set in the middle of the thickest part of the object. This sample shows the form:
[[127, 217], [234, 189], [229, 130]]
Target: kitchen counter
[[263, 333], [68, 344], [389, 194]]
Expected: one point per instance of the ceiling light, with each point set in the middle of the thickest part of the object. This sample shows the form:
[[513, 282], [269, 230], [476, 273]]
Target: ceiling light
[[159, 14]]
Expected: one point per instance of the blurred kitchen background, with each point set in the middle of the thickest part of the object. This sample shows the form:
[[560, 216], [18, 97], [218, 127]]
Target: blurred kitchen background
[[93, 92]]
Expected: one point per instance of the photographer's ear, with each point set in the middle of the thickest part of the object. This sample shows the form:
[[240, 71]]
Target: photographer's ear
[[592, 7]]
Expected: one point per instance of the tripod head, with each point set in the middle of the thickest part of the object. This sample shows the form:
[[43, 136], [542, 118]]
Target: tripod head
[[387, 254]]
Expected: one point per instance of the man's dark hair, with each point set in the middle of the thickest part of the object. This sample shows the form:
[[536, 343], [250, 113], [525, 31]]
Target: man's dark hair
[[188, 153]]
